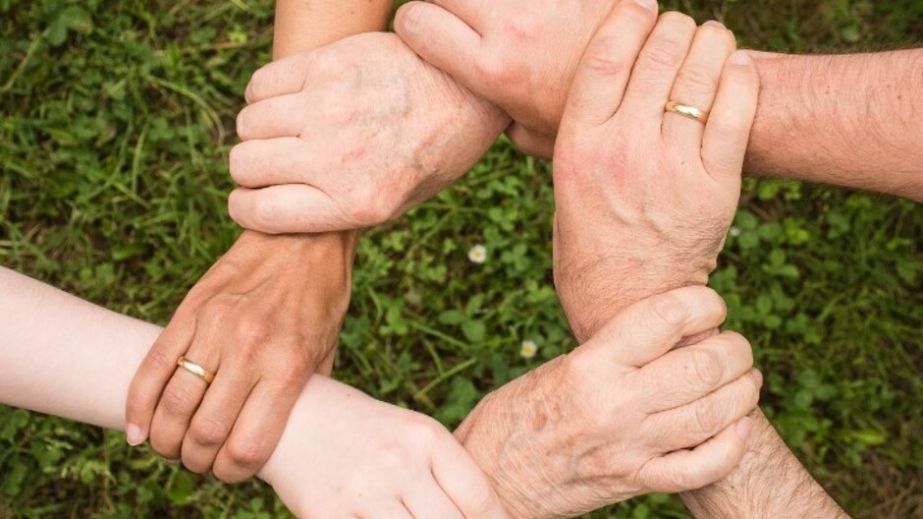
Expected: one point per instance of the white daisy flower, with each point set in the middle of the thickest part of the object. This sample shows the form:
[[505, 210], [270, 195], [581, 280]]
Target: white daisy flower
[[478, 254], [528, 349]]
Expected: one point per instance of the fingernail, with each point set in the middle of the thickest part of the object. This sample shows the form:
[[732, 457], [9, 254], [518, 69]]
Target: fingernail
[[715, 23], [743, 427], [740, 57], [410, 18], [134, 434], [647, 4]]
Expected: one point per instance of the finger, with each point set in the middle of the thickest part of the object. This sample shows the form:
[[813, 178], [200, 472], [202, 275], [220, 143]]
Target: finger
[[697, 84], [257, 431], [686, 374], [284, 160], [211, 425], [605, 69], [657, 66], [153, 374], [691, 469], [180, 400], [443, 39], [531, 143], [427, 499], [472, 12], [272, 118], [728, 130], [464, 483], [281, 77], [648, 329], [690, 425], [290, 208]]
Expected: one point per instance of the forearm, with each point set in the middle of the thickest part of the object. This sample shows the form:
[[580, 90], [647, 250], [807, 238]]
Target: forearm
[[63, 356], [770, 482], [848, 120], [303, 25]]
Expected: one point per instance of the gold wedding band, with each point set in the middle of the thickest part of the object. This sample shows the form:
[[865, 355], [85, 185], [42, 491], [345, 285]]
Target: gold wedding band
[[687, 111], [195, 369]]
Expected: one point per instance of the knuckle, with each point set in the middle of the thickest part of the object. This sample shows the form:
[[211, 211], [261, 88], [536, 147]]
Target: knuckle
[[478, 498], [246, 453], [682, 480], [178, 401], [494, 70], [670, 310], [265, 213], [708, 367], [252, 333], [707, 418], [294, 373], [424, 431], [739, 346], [523, 28], [218, 310], [602, 58], [374, 210], [697, 78], [162, 446], [224, 470], [664, 53], [159, 361], [208, 432]]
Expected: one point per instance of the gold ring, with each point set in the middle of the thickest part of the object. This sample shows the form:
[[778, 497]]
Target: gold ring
[[689, 111], [195, 369]]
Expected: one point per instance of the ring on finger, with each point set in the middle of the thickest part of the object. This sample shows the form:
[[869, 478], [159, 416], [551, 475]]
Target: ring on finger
[[689, 111], [196, 370]]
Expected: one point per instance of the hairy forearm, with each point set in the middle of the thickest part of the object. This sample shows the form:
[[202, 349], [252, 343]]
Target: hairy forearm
[[769, 483], [849, 120]]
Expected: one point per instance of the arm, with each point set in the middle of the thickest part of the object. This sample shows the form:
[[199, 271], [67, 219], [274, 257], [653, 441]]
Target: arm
[[66, 357], [643, 199], [667, 224], [304, 25], [269, 312], [850, 120], [769, 482]]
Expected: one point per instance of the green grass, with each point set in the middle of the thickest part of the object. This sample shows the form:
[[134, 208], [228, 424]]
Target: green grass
[[115, 122]]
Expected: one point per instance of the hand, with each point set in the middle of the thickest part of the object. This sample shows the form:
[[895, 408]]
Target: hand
[[520, 55], [344, 454], [614, 418], [352, 135], [263, 318], [645, 198]]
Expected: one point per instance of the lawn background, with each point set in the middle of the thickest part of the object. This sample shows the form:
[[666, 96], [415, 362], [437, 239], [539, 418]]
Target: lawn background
[[115, 123]]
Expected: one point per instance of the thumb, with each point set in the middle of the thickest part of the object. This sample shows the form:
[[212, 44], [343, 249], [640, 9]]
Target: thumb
[[443, 40], [648, 329]]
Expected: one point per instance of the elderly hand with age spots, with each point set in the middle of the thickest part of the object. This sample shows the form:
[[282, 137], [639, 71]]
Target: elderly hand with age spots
[[627, 413]]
